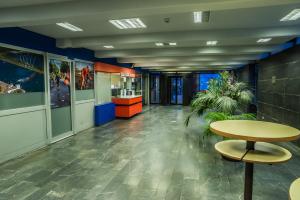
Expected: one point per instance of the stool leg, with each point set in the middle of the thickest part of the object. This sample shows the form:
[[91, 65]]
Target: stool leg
[[248, 181]]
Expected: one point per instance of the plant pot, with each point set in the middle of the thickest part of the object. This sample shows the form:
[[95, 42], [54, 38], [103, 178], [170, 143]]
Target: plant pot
[[229, 159]]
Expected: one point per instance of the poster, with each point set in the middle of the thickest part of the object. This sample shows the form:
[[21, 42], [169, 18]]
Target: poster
[[20, 71], [84, 76], [59, 83]]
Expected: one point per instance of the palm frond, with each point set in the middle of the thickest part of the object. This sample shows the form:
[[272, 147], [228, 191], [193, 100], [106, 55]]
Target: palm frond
[[244, 116], [245, 96], [215, 116], [223, 100], [226, 104]]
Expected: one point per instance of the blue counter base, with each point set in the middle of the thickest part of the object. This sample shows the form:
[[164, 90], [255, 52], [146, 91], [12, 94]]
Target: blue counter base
[[104, 113]]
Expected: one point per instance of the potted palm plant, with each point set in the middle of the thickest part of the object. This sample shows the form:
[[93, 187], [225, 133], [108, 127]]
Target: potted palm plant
[[223, 100]]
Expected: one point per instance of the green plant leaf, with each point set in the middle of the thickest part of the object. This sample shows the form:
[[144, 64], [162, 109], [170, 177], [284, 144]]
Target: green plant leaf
[[226, 104]]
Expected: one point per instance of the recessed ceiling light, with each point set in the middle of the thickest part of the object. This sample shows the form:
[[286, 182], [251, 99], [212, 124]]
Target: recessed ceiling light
[[108, 46], [159, 44], [211, 43], [198, 17], [201, 16], [263, 40], [69, 26], [172, 43], [128, 23], [183, 67], [293, 15]]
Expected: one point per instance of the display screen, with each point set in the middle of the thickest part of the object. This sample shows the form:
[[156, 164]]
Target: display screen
[[204, 80], [20, 71], [84, 76]]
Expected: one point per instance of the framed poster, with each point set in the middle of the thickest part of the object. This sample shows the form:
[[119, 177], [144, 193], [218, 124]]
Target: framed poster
[[59, 83], [21, 71], [84, 76]]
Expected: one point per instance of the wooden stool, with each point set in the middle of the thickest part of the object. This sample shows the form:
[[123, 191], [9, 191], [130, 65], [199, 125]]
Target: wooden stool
[[264, 153], [295, 190]]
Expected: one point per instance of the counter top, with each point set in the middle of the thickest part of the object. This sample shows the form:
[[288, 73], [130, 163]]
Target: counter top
[[127, 97]]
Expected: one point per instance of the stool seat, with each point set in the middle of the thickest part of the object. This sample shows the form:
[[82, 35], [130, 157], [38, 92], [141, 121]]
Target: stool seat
[[234, 149], [264, 153], [295, 190]]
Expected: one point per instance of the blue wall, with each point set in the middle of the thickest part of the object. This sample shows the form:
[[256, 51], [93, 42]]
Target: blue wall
[[28, 39], [31, 40]]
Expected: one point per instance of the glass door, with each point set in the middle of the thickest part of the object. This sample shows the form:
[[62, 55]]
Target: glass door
[[60, 98], [176, 90], [179, 90], [154, 89]]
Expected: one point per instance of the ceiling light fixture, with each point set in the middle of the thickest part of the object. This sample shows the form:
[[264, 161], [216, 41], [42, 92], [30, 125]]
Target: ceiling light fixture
[[201, 16], [69, 26], [264, 40], [128, 23], [183, 67], [211, 43], [108, 46], [159, 44], [293, 15], [172, 43], [198, 17]]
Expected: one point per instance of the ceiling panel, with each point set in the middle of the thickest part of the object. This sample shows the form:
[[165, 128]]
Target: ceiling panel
[[235, 24]]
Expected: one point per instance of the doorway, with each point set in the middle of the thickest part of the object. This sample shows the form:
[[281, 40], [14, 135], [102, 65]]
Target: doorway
[[154, 89], [176, 89]]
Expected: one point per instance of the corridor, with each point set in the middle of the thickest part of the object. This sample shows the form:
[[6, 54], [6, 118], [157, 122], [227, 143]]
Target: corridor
[[151, 156]]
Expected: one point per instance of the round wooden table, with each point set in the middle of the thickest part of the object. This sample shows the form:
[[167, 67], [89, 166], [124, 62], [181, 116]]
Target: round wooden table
[[254, 148]]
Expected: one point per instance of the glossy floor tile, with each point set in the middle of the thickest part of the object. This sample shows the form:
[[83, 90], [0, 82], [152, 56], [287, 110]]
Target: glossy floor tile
[[149, 157]]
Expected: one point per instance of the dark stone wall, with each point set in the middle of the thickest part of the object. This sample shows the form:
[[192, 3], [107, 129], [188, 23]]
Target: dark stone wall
[[248, 75], [278, 88]]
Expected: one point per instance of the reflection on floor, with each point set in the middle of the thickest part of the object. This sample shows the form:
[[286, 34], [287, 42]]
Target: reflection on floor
[[152, 156]]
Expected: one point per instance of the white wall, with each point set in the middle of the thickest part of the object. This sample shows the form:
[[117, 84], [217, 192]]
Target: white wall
[[22, 130], [103, 88], [84, 114]]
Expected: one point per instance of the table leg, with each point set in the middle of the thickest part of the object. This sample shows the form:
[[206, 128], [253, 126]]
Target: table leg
[[248, 181], [249, 175]]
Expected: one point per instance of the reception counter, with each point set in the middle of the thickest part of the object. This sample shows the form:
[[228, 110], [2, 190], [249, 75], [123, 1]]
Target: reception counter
[[128, 106]]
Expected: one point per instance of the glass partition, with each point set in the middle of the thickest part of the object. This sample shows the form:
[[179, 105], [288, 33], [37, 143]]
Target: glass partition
[[124, 85], [21, 78]]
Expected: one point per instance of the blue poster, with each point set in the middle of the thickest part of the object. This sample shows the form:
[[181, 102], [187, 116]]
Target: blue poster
[[20, 71]]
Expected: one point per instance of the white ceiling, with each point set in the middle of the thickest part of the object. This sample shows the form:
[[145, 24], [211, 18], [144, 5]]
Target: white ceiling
[[236, 24]]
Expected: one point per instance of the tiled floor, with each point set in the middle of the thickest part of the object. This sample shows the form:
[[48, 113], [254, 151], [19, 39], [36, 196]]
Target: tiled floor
[[152, 156]]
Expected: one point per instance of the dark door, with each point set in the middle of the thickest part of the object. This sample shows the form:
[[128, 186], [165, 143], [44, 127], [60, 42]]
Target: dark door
[[154, 89], [176, 89]]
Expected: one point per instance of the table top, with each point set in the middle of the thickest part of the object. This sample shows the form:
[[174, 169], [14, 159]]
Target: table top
[[256, 131]]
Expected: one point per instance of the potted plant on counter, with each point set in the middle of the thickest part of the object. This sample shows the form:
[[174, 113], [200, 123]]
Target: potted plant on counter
[[224, 100]]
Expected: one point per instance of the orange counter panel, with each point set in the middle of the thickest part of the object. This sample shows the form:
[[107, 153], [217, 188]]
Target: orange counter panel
[[128, 107], [129, 111], [127, 101]]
